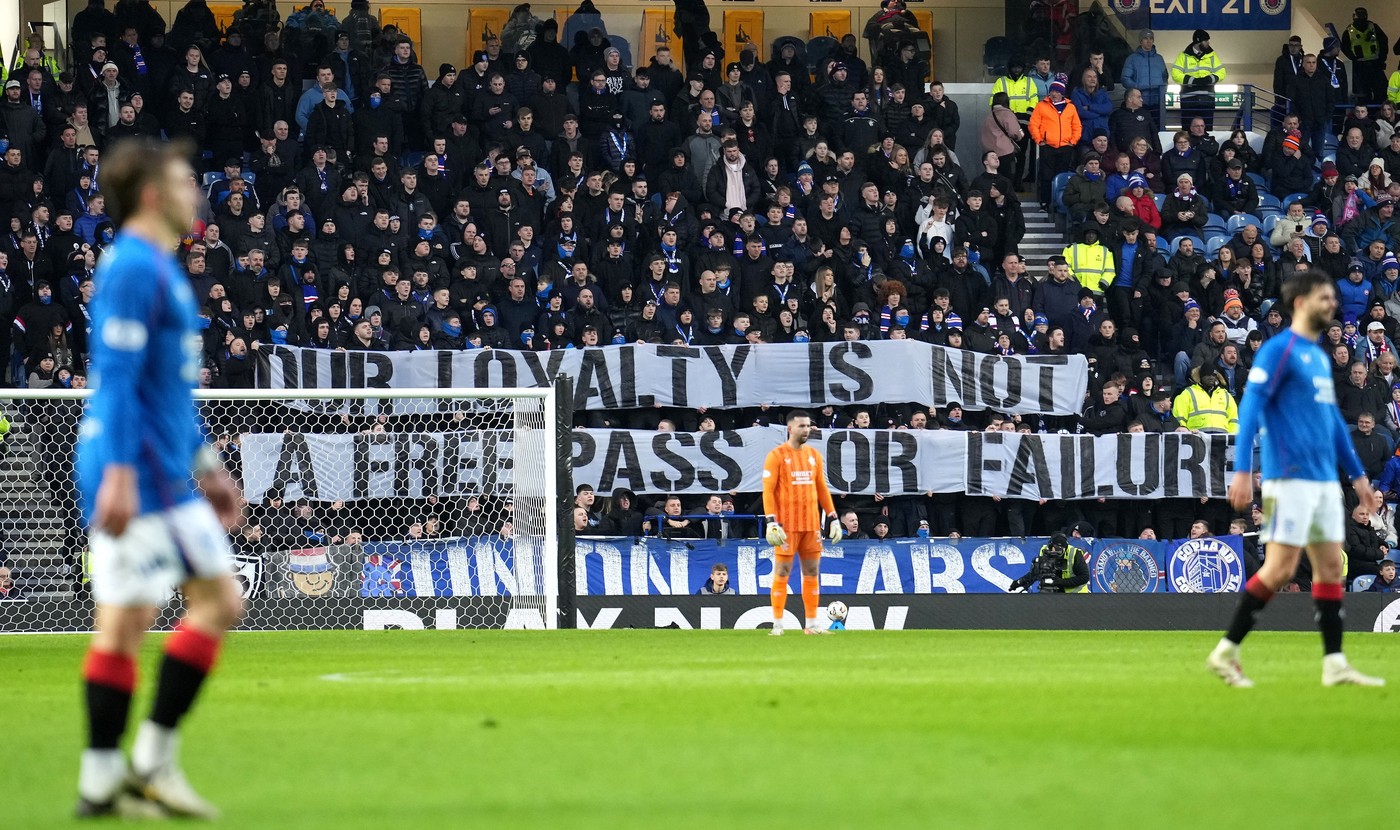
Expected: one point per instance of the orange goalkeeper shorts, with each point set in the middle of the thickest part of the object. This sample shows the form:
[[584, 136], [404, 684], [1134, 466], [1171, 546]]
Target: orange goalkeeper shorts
[[804, 543]]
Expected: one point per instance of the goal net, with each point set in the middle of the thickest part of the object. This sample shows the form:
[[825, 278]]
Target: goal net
[[365, 508]]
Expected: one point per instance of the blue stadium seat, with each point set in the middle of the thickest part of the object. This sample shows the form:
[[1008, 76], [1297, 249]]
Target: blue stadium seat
[[1238, 221], [1268, 200], [1288, 200], [210, 178], [1362, 582], [1215, 224], [1160, 199], [1214, 244], [1269, 222], [1057, 190], [624, 49], [1384, 431], [1259, 182]]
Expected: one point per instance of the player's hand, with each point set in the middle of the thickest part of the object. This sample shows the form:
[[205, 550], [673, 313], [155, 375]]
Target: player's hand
[[116, 503], [833, 527], [1242, 490], [1363, 489], [776, 536], [223, 497]]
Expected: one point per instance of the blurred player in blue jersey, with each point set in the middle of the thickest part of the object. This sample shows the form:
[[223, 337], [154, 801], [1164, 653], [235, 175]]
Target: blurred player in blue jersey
[[140, 455], [1290, 404]]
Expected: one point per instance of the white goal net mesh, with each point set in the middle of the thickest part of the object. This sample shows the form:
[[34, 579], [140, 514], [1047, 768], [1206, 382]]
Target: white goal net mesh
[[403, 509]]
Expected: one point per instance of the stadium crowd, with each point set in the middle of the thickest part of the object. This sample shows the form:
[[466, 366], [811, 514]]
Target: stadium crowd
[[549, 196]]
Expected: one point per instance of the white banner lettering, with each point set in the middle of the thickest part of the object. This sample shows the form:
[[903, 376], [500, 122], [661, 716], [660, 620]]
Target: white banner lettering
[[889, 462], [781, 374]]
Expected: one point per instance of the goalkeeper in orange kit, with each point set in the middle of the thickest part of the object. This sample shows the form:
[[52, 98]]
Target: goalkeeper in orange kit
[[800, 510]]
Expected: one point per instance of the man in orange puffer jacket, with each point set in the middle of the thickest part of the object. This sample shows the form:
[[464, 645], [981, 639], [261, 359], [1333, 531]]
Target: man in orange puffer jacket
[[1055, 127]]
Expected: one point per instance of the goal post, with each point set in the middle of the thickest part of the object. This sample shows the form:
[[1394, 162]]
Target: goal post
[[366, 508]]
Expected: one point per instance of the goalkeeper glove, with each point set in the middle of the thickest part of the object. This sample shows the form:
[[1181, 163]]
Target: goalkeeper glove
[[777, 537], [833, 527]]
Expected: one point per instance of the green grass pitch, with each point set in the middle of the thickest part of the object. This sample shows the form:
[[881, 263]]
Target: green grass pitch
[[680, 729]]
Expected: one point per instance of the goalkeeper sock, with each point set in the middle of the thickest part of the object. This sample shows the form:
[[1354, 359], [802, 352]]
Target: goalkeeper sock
[[108, 681], [189, 657], [1256, 595], [778, 598], [1327, 597], [811, 598]]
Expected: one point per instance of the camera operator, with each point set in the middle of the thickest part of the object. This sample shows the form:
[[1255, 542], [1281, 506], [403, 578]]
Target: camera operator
[[1058, 569]]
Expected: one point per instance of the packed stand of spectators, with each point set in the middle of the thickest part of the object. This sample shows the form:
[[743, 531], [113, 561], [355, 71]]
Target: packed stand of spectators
[[547, 196]]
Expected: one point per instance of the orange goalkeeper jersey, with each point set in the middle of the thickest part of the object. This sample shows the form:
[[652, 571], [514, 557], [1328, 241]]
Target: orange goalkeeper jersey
[[794, 487]]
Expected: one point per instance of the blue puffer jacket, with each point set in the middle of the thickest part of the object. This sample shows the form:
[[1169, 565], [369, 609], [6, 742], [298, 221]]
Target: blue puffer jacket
[[1352, 299], [1145, 70], [1094, 111]]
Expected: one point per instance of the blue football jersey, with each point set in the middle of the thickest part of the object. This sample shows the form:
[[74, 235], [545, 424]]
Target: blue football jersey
[[145, 363], [1291, 404]]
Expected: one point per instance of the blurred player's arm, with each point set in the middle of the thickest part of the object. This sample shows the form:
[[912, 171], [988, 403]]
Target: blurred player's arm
[[1351, 462], [218, 487], [1263, 382], [120, 350], [773, 532]]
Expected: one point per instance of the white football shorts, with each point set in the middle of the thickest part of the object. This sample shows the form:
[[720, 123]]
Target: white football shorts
[[1300, 513], [157, 552]]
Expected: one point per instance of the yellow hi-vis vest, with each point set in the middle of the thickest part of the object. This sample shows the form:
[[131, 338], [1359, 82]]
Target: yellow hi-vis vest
[[1092, 265], [1068, 570], [1363, 43], [1216, 412], [46, 61], [1189, 66], [1023, 93], [1392, 92]]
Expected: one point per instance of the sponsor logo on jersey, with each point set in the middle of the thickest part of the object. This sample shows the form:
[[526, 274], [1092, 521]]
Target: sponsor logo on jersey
[[1205, 566], [1125, 568], [124, 335]]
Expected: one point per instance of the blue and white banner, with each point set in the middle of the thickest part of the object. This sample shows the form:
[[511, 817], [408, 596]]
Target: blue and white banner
[[628, 566], [490, 566], [1212, 15], [475, 566]]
